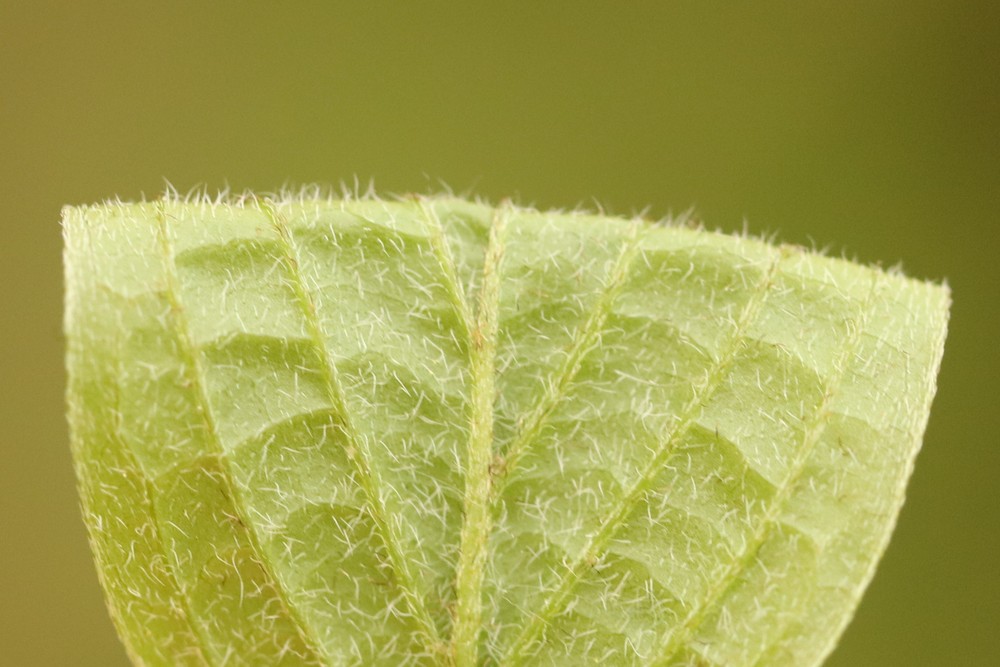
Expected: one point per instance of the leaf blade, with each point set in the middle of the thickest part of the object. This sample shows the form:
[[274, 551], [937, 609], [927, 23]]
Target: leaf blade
[[715, 427]]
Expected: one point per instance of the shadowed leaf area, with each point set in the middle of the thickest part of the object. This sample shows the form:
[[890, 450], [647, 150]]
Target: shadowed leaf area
[[429, 431]]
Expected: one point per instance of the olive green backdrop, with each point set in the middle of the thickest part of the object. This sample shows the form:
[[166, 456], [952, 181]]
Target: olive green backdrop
[[871, 128]]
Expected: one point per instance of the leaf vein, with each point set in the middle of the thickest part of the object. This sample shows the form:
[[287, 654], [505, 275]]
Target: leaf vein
[[586, 337], [476, 523], [813, 434], [714, 377], [207, 655], [449, 270], [196, 379], [358, 453]]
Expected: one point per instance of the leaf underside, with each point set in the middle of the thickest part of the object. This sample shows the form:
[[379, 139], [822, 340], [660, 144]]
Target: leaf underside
[[435, 432]]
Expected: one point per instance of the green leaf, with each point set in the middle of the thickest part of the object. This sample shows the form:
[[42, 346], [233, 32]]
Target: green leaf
[[434, 432]]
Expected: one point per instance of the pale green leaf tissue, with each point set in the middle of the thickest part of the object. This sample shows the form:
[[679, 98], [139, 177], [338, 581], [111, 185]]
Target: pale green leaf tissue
[[427, 431]]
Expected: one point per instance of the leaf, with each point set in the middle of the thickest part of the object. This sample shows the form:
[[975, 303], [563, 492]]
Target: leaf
[[429, 431]]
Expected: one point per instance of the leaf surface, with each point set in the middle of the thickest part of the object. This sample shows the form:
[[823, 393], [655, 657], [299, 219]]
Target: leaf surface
[[435, 432]]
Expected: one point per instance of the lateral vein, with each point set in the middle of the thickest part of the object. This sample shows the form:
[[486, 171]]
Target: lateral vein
[[813, 433], [196, 379], [584, 340], [207, 654], [368, 476], [713, 379]]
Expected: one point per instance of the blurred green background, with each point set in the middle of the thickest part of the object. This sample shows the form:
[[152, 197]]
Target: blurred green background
[[869, 128]]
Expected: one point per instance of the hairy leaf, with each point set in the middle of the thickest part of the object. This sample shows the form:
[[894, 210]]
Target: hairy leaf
[[434, 432]]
